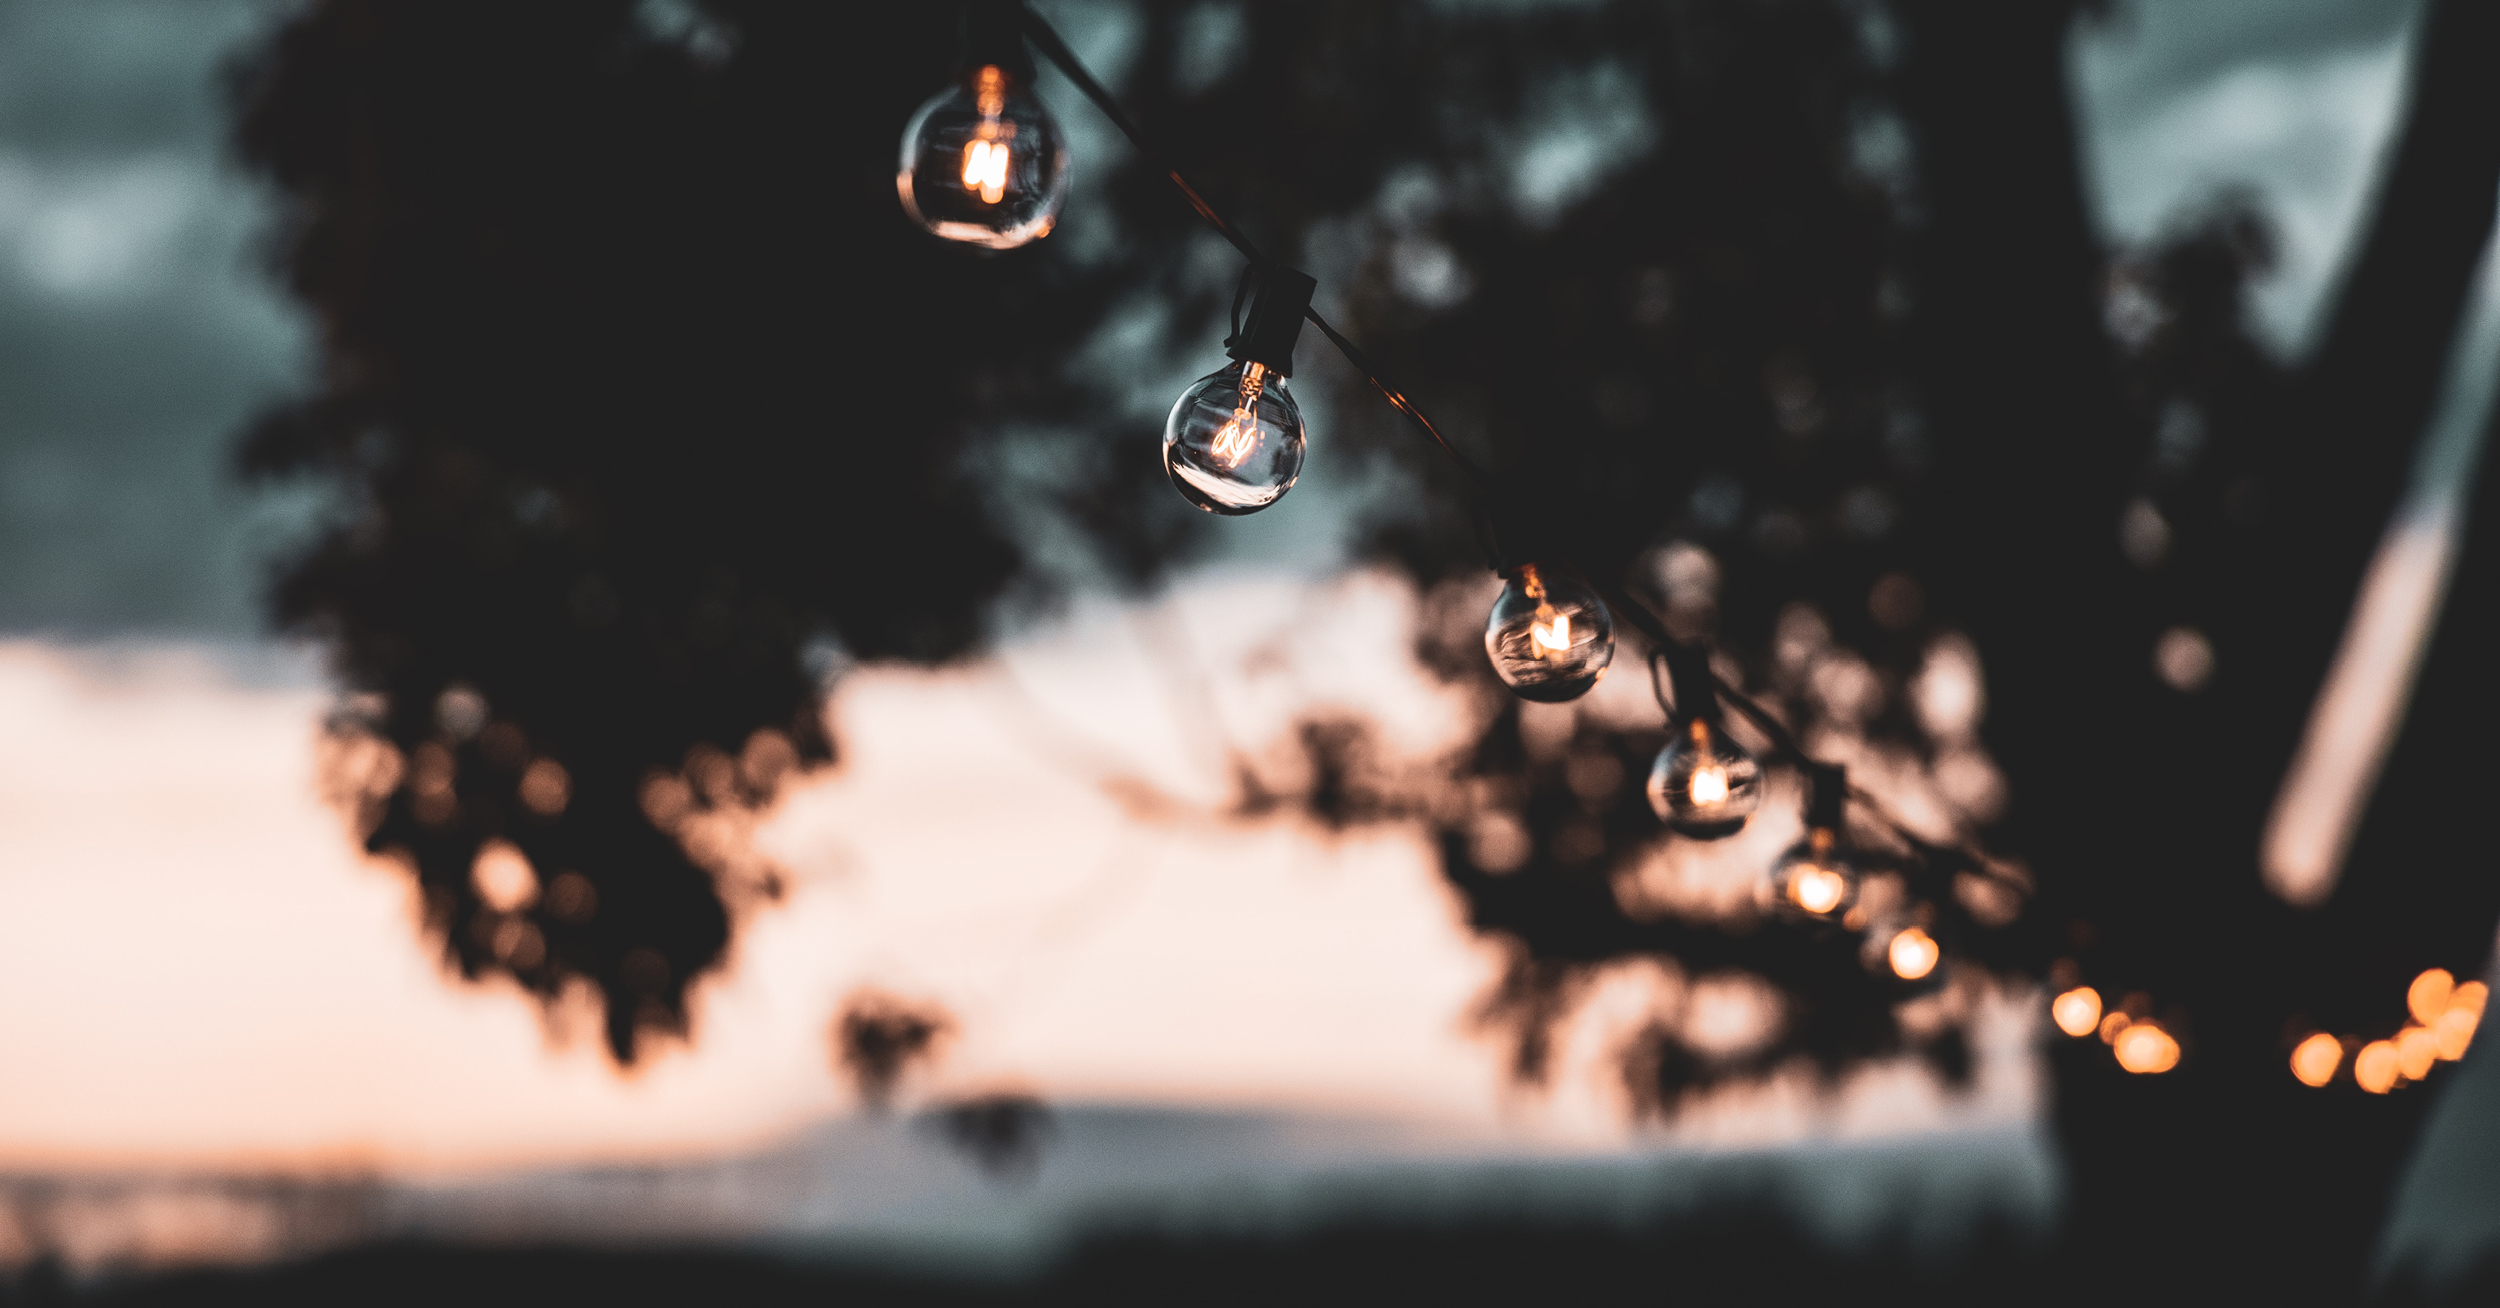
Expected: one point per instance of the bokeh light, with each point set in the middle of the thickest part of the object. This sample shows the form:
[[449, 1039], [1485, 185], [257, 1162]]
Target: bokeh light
[[2428, 996], [2374, 1069], [2315, 1059], [2078, 1011], [2416, 1050], [2455, 1031], [2144, 1048], [1913, 953]]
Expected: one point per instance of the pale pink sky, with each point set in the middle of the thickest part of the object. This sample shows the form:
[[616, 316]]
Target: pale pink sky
[[198, 967]]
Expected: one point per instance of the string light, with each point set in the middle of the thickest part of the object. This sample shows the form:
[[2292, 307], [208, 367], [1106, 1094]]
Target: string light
[[1703, 784], [2146, 1049], [2077, 1012], [1815, 878], [2416, 1050], [2315, 1059], [1913, 953], [2427, 998], [982, 161], [2375, 1068], [1234, 442], [1549, 637], [983, 164]]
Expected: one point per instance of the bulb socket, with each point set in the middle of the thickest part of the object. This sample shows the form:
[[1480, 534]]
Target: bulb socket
[[1689, 681], [994, 35], [1279, 296], [1827, 796]]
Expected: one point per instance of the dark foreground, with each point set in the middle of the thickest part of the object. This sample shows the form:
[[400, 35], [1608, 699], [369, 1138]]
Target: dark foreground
[[1734, 1260]]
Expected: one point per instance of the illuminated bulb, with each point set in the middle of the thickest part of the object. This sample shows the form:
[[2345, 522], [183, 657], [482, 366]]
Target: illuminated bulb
[[1812, 878], [2416, 1049], [2112, 1025], [2455, 1031], [2470, 996], [2315, 1059], [1234, 442], [2374, 1068], [1913, 953], [2428, 996], [1550, 637], [1704, 785], [982, 162], [2144, 1048], [2077, 1012]]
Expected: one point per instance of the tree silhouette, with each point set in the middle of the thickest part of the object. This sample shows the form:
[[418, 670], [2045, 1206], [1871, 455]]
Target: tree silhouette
[[649, 395]]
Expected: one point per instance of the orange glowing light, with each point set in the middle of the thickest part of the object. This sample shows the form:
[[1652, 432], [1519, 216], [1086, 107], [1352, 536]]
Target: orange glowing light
[[2112, 1025], [2315, 1059], [1817, 890], [2078, 1011], [986, 155], [2143, 1047], [1552, 632], [2374, 1068], [2470, 997], [2428, 996], [2455, 1030], [1914, 954], [2416, 1049], [1709, 785], [1236, 439]]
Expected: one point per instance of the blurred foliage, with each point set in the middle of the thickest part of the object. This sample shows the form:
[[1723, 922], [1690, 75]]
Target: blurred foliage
[[1787, 313]]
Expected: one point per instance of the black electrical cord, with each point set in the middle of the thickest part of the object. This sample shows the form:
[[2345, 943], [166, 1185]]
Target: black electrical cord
[[1784, 743]]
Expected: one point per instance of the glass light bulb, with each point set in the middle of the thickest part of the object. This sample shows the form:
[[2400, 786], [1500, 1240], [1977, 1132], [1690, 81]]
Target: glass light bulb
[[983, 163], [1813, 879], [1234, 442], [2078, 1011], [1704, 785], [1912, 953], [1549, 637]]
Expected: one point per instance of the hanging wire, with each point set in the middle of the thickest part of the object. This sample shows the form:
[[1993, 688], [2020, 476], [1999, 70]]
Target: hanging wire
[[1783, 742]]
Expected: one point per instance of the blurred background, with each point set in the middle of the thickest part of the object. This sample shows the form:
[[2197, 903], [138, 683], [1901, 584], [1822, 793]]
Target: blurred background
[[591, 710]]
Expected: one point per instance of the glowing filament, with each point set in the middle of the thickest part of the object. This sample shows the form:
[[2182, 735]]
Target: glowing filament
[[986, 155], [2078, 1011], [1709, 784], [1817, 890], [1914, 954], [2315, 1059], [1551, 636], [1236, 439]]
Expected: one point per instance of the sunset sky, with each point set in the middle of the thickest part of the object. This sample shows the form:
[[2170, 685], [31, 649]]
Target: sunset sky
[[199, 967]]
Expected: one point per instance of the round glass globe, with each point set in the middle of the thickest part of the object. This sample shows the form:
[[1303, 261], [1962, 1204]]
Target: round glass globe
[[1550, 637], [983, 163], [1704, 785], [1234, 442], [1812, 880], [1902, 949]]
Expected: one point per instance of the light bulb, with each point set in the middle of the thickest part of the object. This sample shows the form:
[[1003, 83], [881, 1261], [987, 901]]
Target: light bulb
[[1234, 442], [1550, 637], [1913, 953], [2428, 996], [2144, 1048], [2078, 1011], [2374, 1069], [1813, 879], [2315, 1059], [982, 162], [1704, 785]]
